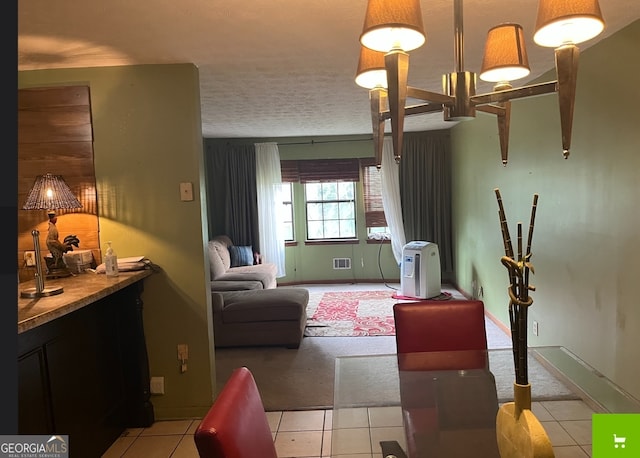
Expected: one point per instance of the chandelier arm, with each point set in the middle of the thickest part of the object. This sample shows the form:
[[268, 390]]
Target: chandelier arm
[[491, 109], [504, 122], [414, 110], [428, 96], [503, 115], [567, 70], [397, 64], [515, 93], [378, 99]]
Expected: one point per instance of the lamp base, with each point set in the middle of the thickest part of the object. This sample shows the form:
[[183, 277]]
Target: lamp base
[[33, 292]]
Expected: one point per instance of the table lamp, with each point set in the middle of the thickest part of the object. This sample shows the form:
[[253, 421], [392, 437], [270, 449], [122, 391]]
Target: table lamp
[[49, 192]]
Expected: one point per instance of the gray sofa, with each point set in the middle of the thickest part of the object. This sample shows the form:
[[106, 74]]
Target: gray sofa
[[247, 277], [275, 316]]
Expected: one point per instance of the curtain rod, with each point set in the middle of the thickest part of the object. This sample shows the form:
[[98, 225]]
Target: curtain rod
[[313, 142]]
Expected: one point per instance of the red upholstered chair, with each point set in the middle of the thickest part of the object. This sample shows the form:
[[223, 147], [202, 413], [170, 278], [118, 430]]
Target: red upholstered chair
[[425, 332], [430, 326], [236, 425]]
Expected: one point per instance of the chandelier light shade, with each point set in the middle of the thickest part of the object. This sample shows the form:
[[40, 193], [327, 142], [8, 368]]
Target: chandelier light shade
[[371, 70], [562, 22], [393, 25], [395, 28], [50, 192], [505, 55]]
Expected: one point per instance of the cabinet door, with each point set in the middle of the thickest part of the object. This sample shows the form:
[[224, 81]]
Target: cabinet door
[[86, 377], [33, 398]]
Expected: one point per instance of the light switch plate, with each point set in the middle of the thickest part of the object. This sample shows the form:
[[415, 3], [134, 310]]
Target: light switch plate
[[186, 191]]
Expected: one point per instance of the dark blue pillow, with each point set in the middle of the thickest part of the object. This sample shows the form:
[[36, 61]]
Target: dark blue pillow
[[241, 255]]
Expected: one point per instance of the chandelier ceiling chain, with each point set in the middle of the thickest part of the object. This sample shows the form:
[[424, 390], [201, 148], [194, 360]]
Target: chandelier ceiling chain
[[392, 29]]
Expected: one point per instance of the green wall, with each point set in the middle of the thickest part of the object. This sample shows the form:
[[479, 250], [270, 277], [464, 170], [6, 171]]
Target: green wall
[[586, 239], [148, 139]]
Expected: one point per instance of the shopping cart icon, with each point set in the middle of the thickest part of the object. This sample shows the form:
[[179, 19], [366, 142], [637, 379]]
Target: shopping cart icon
[[619, 441]]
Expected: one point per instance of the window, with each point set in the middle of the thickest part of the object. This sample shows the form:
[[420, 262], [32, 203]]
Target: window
[[331, 210], [287, 212], [373, 209]]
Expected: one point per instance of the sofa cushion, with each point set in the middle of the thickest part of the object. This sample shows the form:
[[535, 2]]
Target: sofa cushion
[[221, 270], [219, 258], [264, 273], [231, 285], [277, 304], [241, 255]]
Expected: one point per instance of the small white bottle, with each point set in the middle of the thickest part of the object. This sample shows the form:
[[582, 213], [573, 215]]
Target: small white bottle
[[111, 262]]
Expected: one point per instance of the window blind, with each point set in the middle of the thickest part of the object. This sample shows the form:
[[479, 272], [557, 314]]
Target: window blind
[[315, 170], [372, 190]]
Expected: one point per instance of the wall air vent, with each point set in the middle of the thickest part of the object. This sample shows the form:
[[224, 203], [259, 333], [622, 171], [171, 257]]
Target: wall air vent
[[341, 263]]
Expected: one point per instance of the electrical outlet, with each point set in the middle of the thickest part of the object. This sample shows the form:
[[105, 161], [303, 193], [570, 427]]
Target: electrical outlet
[[30, 258], [157, 385], [535, 328]]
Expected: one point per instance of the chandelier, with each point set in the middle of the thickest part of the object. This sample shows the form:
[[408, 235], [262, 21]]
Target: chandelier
[[393, 28]]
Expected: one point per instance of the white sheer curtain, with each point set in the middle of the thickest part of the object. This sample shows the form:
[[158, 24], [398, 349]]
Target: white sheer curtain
[[391, 199], [268, 184]]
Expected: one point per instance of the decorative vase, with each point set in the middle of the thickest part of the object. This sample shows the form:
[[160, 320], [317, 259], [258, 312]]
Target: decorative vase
[[519, 433]]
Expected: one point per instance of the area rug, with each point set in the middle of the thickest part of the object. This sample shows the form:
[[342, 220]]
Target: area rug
[[350, 314], [354, 313]]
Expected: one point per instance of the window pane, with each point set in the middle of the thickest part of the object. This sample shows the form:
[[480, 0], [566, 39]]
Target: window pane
[[286, 212], [287, 230], [285, 190], [314, 212], [315, 230], [347, 228], [347, 210], [331, 230], [331, 211], [313, 191], [329, 191], [346, 190]]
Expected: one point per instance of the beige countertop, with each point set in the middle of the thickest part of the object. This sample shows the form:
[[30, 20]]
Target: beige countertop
[[79, 290]]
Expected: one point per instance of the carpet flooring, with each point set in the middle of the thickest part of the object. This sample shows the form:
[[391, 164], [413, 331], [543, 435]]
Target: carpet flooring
[[303, 379]]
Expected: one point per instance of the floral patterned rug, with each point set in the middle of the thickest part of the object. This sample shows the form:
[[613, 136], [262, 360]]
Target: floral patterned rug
[[350, 314]]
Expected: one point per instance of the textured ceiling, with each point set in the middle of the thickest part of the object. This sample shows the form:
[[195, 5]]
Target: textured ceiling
[[272, 68]]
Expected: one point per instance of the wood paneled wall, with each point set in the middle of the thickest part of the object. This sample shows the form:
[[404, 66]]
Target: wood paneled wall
[[55, 136]]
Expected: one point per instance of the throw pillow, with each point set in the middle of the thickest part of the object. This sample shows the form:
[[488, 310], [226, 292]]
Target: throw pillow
[[241, 255]]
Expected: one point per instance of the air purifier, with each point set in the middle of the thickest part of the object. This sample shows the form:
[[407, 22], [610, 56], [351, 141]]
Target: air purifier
[[420, 273]]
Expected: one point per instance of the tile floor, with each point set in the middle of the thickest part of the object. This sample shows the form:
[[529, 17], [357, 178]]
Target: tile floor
[[308, 433]]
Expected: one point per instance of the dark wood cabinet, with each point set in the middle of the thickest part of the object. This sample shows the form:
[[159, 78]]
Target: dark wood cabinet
[[86, 375]]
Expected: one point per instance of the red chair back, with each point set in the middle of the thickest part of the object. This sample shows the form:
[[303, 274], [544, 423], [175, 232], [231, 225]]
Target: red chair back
[[236, 425], [429, 326]]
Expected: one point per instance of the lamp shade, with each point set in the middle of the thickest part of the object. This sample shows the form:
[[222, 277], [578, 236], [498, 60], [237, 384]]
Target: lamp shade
[[50, 192], [393, 25], [371, 70], [562, 21], [505, 55]]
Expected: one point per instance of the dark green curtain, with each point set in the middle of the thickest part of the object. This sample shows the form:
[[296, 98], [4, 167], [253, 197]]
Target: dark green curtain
[[425, 192], [231, 191]]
